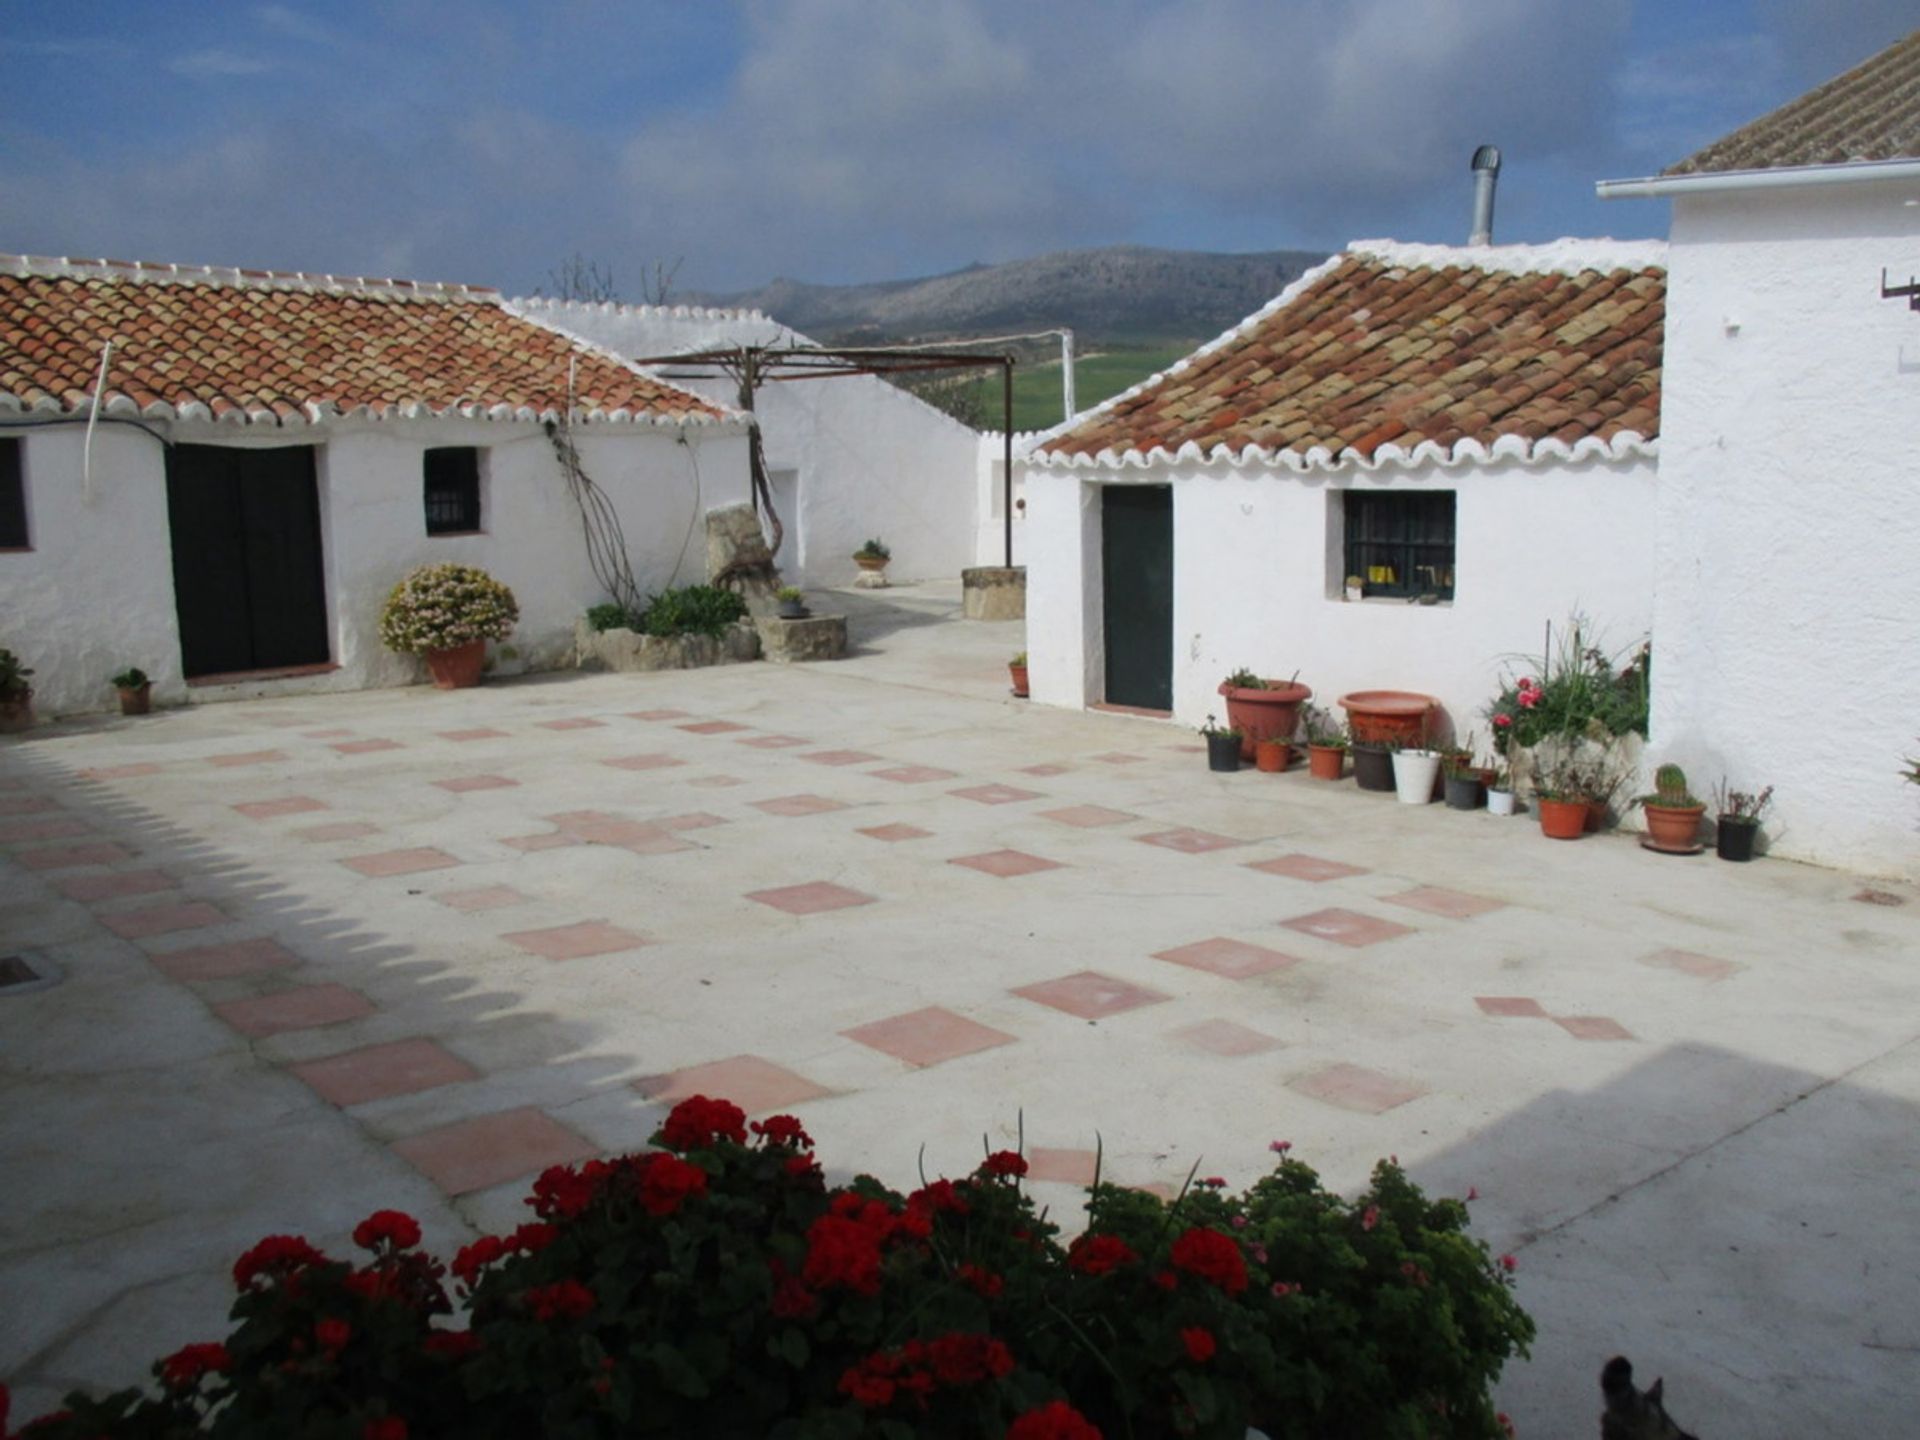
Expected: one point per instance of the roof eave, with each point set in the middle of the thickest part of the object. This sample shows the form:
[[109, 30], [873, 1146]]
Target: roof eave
[[1781, 177]]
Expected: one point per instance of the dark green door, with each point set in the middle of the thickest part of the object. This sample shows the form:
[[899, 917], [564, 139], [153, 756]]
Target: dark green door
[[1136, 554]]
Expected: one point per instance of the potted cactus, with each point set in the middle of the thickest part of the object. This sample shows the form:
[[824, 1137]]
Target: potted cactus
[[136, 690], [1673, 814]]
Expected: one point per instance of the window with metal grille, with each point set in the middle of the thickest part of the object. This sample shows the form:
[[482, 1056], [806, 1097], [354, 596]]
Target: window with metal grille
[[453, 490], [1400, 543], [13, 498]]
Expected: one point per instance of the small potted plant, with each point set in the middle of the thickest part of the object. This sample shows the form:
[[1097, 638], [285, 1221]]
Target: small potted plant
[[1500, 792], [448, 613], [1466, 782], [1373, 763], [1017, 673], [136, 690], [1223, 746], [1326, 744], [1263, 709], [1737, 823], [872, 558], [1415, 773], [16, 695], [1562, 796], [1673, 815], [793, 602]]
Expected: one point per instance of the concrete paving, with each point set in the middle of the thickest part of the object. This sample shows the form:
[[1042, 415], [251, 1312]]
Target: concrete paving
[[403, 948]]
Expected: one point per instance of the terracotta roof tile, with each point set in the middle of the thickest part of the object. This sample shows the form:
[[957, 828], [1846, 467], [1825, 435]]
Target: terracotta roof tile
[[1404, 346], [282, 347], [1870, 113]]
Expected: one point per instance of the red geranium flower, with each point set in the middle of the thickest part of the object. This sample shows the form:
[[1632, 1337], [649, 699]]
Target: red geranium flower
[[1199, 1342], [842, 1253], [1056, 1420], [471, 1259], [562, 1192], [562, 1300], [276, 1255], [1211, 1256], [179, 1371], [1097, 1254], [452, 1344], [1004, 1162], [963, 1359], [783, 1130], [982, 1281], [392, 1227], [698, 1121], [667, 1182], [332, 1335]]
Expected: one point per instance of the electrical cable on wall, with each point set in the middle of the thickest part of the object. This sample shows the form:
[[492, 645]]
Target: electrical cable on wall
[[599, 521]]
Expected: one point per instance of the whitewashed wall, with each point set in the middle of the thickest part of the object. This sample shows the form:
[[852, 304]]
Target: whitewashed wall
[[869, 459], [1258, 578], [990, 545], [95, 594], [1789, 605]]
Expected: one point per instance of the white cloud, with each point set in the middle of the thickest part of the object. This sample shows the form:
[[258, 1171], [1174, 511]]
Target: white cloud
[[217, 65]]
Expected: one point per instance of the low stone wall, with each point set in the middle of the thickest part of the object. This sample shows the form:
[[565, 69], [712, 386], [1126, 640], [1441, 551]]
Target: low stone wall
[[631, 650], [994, 592], [815, 637]]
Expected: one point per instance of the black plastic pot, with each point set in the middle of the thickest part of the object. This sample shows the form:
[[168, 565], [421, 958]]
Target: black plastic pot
[[1223, 751], [1733, 839], [1373, 767], [793, 610], [1465, 792]]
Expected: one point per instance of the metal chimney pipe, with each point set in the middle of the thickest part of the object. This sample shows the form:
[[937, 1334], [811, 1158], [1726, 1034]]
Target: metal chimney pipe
[[1486, 175]]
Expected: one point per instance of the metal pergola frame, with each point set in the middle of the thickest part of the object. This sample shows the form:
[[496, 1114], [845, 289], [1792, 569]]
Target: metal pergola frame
[[750, 366]]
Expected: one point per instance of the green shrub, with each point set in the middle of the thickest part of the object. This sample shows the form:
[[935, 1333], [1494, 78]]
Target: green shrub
[[13, 677], [612, 616], [693, 610]]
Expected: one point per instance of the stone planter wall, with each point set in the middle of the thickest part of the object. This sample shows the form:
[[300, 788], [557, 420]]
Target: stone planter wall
[[631, 650]]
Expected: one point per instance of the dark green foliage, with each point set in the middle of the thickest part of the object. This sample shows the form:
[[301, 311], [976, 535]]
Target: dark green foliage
[[692, 610], [612, 616]]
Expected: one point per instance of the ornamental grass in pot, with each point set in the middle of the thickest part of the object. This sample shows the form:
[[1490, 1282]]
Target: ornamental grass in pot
[[1737, 820], [447, 613]]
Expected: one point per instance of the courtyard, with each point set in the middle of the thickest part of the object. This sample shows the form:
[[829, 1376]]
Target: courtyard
[[404, 948]]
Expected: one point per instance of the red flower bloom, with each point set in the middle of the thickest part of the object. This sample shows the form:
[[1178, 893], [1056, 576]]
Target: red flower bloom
[[698, 1121], [962, 1359], [332, 1334], [1199, 1342], [277, 1255], [1166, 1279], [843, 1253], [783, 1130], [387, 1427], [791, 1299], [1094, 1254], [667, 1182], [562, 1192], [471, 1259], [1414, 1273], [1211, 1256], [179, 1371], [392, 1227], [532, 1237], [1503, 720], [1056, 1420], [1004, 1162], [452, 1344], [1509, 1264], [865, 1388], [982, 1281], [1370, 1217], [562, 1300], [942, 1197]]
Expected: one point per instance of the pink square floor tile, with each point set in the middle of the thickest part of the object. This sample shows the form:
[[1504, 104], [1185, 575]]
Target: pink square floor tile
[[1354, 1087], [1119, 757], [1347, 927], [652, 840], [812, 898], [1691, 962], [1453, 904], [338, 830], [799, 805], [486, 897], [575, 942], [697, 820], [1593, 1027], [163, 919], [367, 747], [1189, 841], [374, 1072], [1090, 995], [1006, 864], [1063, 1167], [755, 1085], [490, 1150], [462, 784], [1226, 1038], [223, 962], [304, 1008], [332, 732], [913, 774], [121, 772], [659, 714], [247, 757], [1045, 770], [1510, 1007], [577, 722], [552, 840], [1087, 817], [717, 782], [892, 833], [711, 727], [482, 732], [644, 762], [400, 862], [995, 794], [58, 827], [840, 757], [773, 742], [114, 884], [1230, 959], [1306, 867], [929, 1036], [285, 805], [68, 857]]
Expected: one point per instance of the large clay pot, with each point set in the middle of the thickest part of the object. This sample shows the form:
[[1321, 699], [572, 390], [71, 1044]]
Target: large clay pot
[[459, 667], [1562, 819], [1326, 762], [1674, 827], [1394, 716], [1272, 713]]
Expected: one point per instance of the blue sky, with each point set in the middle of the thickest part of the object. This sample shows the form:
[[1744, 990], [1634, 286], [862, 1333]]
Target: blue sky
[[843, 140]]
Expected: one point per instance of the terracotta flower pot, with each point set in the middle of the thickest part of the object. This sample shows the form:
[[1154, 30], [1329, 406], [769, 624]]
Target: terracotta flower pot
[[1326, 762], [1401, 716], [871, 562], [16, 714], [136, 701], [1272, 756], [459, 667], [1018, 674], [1674, 827], [1269, 714], [1562, 819]]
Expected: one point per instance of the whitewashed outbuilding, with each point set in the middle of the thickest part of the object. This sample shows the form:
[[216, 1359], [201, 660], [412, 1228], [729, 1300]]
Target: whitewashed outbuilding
[[272, 451], [1468, 432]]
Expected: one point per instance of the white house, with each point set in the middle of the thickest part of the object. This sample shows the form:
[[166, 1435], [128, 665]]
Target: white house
[[1468, 431], [849, 458], [1786, 613], [271, 452]]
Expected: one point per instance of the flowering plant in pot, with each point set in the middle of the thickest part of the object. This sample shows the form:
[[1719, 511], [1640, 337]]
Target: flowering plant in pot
[[716, 1285], [136, 690], [448, 613], [1737, 820], [1017, 673], [1326, 744], [1223, 745], [1562, 795], [1263, 709], [1582, 691], [1673, 814], [16, 695]]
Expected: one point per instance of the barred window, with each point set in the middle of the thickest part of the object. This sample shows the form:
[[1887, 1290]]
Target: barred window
[[1400, 543], [13, 497], [453, 490]]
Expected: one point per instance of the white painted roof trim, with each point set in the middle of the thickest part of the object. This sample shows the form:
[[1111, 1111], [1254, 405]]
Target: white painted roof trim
[[1627, 445], [50, 267], [522, 303], [321, 413], [1565, 256], [1780, 177]]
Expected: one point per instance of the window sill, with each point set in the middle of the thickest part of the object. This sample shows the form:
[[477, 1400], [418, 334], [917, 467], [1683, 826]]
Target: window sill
[[453, 534], [1405, 602], [16, 549], [248, 677]]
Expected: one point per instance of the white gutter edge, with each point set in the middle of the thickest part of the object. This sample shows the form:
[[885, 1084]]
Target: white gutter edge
[[1786, 177]]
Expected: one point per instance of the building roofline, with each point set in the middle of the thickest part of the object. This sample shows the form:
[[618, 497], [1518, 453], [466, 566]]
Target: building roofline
[[1782, 177]]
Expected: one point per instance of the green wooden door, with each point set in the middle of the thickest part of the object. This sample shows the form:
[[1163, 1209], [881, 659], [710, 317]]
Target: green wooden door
[[1136, 552]]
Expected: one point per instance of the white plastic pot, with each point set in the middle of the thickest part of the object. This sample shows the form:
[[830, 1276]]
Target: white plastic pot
[[1499, 802], [1414, 774]]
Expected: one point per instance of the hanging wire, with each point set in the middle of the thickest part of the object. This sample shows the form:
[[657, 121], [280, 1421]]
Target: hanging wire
[[599, 521]]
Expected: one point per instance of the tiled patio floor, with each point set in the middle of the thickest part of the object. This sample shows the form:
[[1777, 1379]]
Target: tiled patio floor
[[536, 912]]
